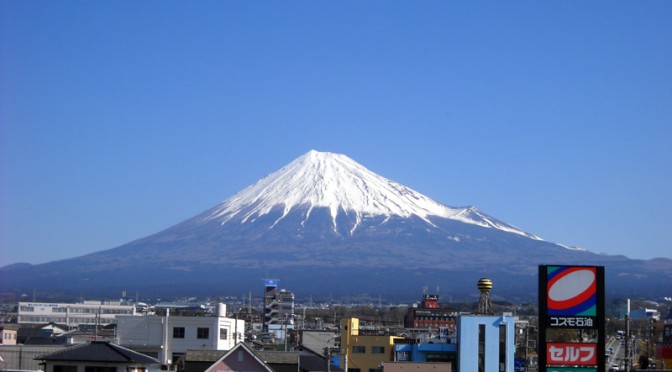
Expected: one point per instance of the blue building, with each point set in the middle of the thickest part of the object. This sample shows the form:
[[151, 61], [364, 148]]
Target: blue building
[[485, 343], [425, 352]]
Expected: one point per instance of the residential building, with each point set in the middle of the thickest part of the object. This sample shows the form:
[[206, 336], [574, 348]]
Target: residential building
[[430, 314], [285, 307], [244, 358], [364, 349], [72, 315], [169, 337], [241, 358], [278, 318], [8, 334], [96, 356], [278, 307], [271, 306], [41, 334], [321, 342]]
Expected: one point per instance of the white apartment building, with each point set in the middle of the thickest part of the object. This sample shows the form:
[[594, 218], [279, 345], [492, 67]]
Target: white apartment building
[[87, 312], [168, 338]]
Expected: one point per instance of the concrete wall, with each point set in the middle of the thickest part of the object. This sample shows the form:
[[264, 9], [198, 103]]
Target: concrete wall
[[23, 356]]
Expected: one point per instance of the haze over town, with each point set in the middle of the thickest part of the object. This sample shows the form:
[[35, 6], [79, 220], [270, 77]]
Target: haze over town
[[121, 119]]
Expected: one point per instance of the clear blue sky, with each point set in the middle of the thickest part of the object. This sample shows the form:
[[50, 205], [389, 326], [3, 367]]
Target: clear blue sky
[[121, 118]]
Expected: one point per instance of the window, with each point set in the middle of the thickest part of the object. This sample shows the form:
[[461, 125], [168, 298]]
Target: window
[[402, 356], [377, 349], [58, 368], [178, 332], [359, 349], [177, 358], [481, 348], [502, 347], [203, 333], [223, 333], [99, 369]]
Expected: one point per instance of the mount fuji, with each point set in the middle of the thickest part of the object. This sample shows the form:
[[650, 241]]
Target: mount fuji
[[325, 225]]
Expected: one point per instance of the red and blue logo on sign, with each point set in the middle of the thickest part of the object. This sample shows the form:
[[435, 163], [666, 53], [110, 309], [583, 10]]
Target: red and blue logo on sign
[[572, 290]]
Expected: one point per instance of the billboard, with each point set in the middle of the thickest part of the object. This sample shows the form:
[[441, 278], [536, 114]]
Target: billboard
[[571, 303], [575, 354], [571, 296]]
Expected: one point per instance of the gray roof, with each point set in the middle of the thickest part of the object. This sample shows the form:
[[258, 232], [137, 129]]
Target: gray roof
[[204, 355], [278, 357], [98, 351]]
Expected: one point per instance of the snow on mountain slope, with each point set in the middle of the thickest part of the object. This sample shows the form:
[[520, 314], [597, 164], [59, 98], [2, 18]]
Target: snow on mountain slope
[[338, 183]]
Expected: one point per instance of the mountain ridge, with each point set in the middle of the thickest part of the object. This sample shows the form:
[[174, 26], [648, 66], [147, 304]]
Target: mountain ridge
[[295, 225]]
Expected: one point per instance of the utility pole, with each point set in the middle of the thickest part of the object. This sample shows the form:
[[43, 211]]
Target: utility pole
[[249, 305], [626, 358], [235, 332], [527, 334]]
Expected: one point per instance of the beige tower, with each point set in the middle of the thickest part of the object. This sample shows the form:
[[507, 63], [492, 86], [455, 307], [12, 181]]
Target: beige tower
[[484, 303]]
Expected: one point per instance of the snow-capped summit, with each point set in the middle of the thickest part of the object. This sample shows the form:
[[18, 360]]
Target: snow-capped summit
[[341, 185], [325, 224]]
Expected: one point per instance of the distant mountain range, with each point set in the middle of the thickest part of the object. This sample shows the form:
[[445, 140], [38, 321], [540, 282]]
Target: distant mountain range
[[325, 225]]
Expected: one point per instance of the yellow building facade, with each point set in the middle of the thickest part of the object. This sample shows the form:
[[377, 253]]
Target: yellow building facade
[[364, 351]]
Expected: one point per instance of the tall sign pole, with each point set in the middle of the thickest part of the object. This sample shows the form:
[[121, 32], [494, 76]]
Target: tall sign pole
[[571, 298]]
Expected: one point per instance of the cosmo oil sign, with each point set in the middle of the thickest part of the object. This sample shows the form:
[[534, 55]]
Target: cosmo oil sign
[[571, 296], [571, 305]]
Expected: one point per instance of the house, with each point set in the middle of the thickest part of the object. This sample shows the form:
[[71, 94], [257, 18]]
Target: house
[[84, 334], [243, 357], [318, 340], [200, 360], [169, 337], [318, 345], [41, 334], [240, 358], [8, 334], [96, 356]]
